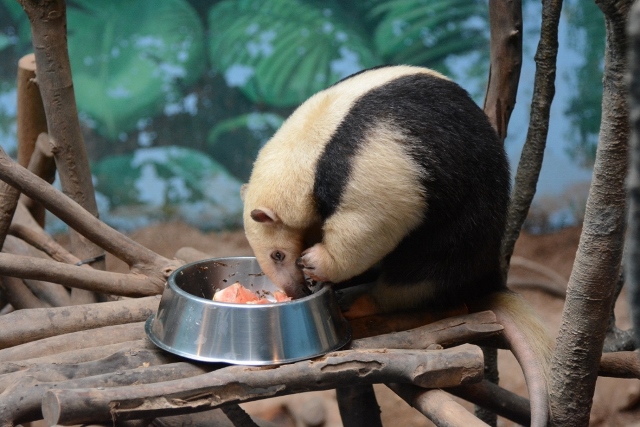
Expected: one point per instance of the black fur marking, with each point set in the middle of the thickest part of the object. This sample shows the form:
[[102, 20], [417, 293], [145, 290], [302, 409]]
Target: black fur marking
[[466, 178]]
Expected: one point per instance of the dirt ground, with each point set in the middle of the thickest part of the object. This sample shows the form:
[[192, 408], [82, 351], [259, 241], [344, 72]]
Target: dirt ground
[[616, 402]]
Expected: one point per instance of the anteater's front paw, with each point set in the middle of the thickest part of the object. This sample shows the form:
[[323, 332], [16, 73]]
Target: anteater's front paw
[[314, 263]]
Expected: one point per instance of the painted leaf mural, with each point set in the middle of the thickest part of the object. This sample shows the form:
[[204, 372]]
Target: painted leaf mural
[[425, 32], [280, 52], [130, 57], [175, 181], [235, 142]]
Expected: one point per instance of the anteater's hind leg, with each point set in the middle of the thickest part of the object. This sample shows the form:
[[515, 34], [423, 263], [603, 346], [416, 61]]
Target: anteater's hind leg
[[382, 201]]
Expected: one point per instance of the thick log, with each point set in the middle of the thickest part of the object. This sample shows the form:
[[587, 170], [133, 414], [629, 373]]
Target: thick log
[[23, 326], [23, 401], [129, 285], [34, 152], [97, 337], [30, 117], [437, 405], [447, 332], [431, 369]]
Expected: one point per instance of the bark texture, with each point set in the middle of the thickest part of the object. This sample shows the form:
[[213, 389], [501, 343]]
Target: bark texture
[[505, 22], [633, 249], [49, 35], [528, 171], [592, 284], [429, 369], [505, 19], [30, 118]]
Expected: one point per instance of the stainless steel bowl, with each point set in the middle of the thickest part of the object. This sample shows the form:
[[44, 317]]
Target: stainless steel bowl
[[190, 324]]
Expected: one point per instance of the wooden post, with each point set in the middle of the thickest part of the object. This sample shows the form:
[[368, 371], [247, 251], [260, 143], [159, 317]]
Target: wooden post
[[31, 119]]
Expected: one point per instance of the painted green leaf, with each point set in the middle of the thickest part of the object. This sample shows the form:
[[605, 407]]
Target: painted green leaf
[[4, 42], [170, 183], [280, 52], [130, 57], [426, 32], [235, 142]]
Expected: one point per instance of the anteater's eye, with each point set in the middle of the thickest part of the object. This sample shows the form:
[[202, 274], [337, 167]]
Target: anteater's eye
[[277, 256]]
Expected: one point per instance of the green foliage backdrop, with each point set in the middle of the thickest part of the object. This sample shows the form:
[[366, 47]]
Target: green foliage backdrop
[[127, 56], [218, 77]]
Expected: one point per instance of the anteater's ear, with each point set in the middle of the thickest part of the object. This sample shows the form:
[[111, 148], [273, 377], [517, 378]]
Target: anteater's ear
[[264, 215]]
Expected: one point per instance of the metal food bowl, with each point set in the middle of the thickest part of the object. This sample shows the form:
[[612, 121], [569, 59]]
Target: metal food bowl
[[190, 324]]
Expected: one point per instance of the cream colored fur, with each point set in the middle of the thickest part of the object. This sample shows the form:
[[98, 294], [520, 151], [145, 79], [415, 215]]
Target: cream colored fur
[[382, 203], [287, 161], [283, 176]]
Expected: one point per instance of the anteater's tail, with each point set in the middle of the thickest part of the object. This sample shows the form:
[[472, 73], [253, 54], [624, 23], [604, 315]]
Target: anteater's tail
[[530, 343]]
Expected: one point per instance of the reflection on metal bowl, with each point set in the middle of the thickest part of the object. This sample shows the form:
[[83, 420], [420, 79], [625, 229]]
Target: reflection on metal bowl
[[190, 324]]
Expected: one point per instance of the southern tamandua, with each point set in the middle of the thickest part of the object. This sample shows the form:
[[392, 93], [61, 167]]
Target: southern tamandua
[[394, 167]]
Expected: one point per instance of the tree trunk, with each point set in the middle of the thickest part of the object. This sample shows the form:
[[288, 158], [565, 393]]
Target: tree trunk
[[633, 249], [49, 36], [591, 288]]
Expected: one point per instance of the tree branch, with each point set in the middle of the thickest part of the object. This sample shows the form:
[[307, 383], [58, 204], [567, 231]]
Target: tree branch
[[505, 18], [134, 254], [526, 178], [80, 355], [496, 399], [424, 368], [23, 401], [77, 277], [30, 325], [622, 364], [447, 332], [18, 294], [51, 293], [505, 22], [74, 341], [436, 405], [49, 37]]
